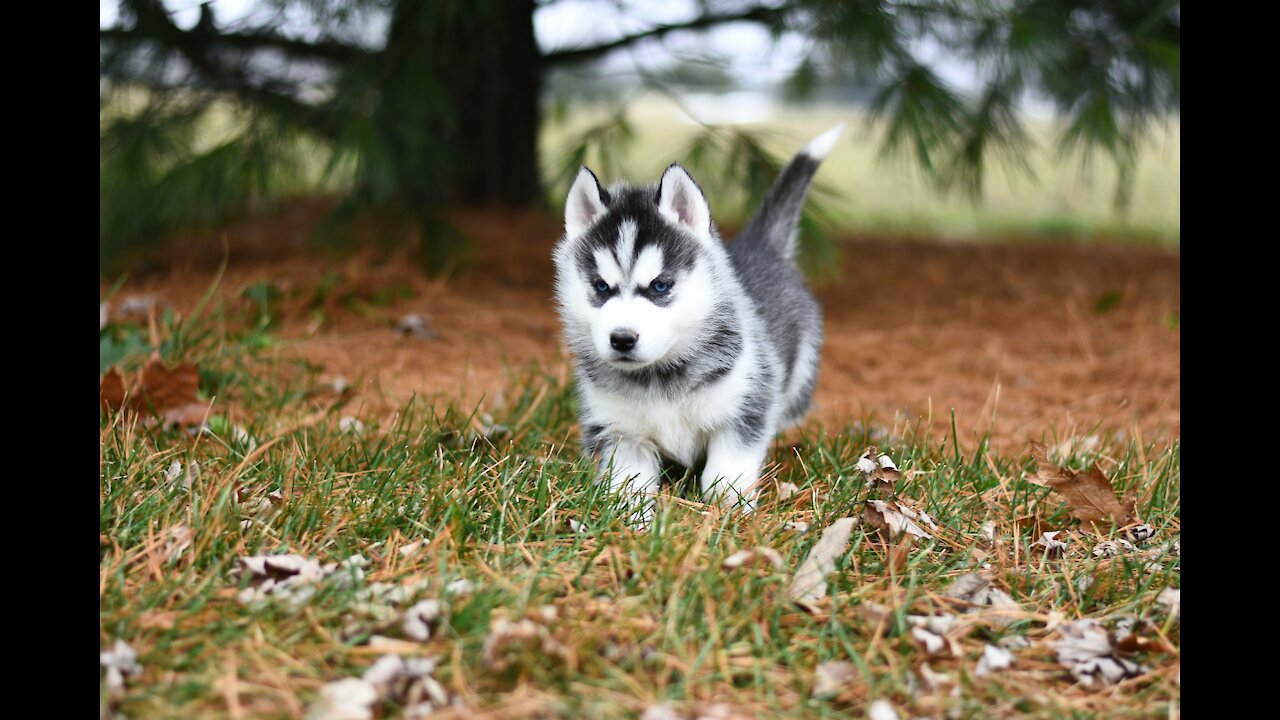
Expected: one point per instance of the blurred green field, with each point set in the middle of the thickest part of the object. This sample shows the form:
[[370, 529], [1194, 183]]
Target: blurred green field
[[1065, 197]]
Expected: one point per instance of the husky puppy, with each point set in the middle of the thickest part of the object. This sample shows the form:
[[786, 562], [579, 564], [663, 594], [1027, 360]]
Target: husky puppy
[[686, 349]]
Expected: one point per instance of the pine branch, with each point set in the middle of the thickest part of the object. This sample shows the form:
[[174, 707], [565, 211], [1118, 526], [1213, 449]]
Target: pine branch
[[760, 14], [197, 47], [330, 51]]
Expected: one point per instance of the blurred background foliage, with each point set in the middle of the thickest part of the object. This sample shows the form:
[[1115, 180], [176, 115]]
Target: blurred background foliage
[[404, 108]]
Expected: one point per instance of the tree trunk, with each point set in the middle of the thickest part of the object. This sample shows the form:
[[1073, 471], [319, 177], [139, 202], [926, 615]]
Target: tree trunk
[[1123, 198], [472, 71]]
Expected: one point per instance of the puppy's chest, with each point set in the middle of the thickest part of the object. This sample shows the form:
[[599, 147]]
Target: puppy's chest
[[679, 427]]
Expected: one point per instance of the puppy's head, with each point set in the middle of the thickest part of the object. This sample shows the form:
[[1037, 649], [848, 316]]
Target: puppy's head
[[635, 272]]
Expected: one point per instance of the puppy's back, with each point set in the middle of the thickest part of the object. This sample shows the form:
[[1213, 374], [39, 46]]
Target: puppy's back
[[763, 257]]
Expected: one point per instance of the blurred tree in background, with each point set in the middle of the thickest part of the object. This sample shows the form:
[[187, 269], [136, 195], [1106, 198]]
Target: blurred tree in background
[[427, 103]]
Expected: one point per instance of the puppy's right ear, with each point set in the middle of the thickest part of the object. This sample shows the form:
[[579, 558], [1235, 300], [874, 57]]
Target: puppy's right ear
[[585, 205]]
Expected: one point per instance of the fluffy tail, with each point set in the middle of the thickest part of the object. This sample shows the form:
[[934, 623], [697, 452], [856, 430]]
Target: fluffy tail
[[775, 223]]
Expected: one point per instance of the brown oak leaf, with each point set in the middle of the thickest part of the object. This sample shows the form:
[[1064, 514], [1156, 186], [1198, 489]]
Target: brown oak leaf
[[111, 390], [169, 393], [1089, 494], [164, 388]]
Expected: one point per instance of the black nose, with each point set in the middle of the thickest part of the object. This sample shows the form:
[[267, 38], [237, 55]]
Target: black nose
[[623, 340]]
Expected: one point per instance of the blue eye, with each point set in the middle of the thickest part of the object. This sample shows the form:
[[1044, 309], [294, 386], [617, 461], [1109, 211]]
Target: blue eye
[[660, 287], [601, 286]]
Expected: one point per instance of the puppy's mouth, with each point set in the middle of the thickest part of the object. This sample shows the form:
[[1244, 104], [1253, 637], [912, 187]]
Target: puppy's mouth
[[627, 361]]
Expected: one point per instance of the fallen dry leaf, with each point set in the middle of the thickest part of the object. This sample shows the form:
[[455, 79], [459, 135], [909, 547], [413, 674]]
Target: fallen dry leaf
[[936, 624], [178, 542], [1018, 642], [935, 644], [167, 393], [969, 587], [111, 390], [973, 594], [164, 388], [875, 614], [1004, 609], [1050, 545], [661, 712], [1139, 534], [408, 684], [393, 593], [384, 670], [1132, 635], [411, 548], [893, 519], [293, 579], [810, 581], [832, 675], [346, 699], [141, 306], [120, 662], [1112, 548], [743, 558], [175, 476], [882, 710], [721, 711], [1171, 599], [1089, 495], [460, 587], [420, 620], [933, 680], [507, 638], [242, 437], [1076, 446], [1086, 649], [418, 326], [879, 471], [993, 658], [989, 533], [715, 711], [1134, 643]]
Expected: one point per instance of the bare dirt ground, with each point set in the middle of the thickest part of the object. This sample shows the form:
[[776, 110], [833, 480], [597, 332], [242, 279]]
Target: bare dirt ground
[[1008, 335]]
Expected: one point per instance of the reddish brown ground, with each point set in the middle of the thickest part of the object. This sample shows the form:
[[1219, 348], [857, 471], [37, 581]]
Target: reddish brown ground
[[1004, 334]]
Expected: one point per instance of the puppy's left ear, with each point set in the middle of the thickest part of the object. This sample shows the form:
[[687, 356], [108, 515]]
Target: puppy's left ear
[[681, 201]]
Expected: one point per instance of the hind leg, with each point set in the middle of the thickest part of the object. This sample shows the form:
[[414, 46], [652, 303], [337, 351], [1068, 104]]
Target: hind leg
[[733, 468], [632, 471]]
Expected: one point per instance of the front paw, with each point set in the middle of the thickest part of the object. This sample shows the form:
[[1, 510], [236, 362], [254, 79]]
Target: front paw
[[640, 520], [734, 501], [732, 496]]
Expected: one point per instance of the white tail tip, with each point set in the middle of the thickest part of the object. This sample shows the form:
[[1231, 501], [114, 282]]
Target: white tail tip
[[820, 147]]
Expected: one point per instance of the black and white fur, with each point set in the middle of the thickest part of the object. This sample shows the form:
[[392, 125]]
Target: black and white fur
[[686, 348]]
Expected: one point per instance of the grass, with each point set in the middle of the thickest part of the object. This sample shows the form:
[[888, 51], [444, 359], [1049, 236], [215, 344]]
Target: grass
[[640, 618]]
